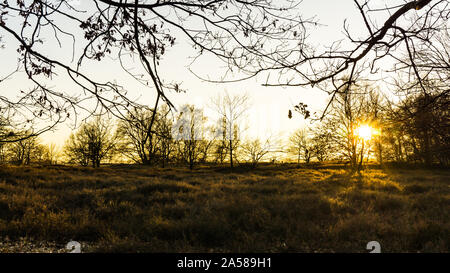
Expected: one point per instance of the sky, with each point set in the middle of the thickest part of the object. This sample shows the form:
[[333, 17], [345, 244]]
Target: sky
[[268, 114]]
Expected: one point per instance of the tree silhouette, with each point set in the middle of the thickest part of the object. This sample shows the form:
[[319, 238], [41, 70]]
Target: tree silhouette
[[301, 145], [92, 143], [189, 133], [239, 33], [231, 109], [255, 150], [394, 48], [424, 123]]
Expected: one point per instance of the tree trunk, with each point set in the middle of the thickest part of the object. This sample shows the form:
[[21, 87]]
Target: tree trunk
[[362, 157], [426, 152], [380, 152], [231, 153], [191, 163], [400, 150]]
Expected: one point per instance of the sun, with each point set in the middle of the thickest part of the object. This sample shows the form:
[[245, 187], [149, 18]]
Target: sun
[[365, 132]]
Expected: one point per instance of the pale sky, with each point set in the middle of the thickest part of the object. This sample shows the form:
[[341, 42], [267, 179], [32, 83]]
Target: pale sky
[[269, 105]]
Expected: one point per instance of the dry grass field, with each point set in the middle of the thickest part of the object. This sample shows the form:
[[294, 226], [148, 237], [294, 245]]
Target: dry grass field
[[275, 208]]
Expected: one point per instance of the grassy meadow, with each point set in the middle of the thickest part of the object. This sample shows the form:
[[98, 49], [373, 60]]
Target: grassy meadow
[[275, 208]]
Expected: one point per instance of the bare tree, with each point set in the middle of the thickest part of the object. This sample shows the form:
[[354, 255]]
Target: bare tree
[[353, 123], [189, 132], [92, 143], [301, 145], [163, 131], [139, 141], [231, 109], [323, 139], [207, 143], [221, 143], [377, 109], [51, 153], [423, 123], [255, 150], [25, 151], [347, 114]]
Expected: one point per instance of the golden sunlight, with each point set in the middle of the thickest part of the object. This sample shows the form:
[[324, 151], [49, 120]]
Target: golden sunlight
[[365, 132]]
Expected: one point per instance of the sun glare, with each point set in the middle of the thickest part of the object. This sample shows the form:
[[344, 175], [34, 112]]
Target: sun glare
[[365, 132]]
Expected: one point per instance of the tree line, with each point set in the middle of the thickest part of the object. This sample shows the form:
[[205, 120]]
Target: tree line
[[414, 130]]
